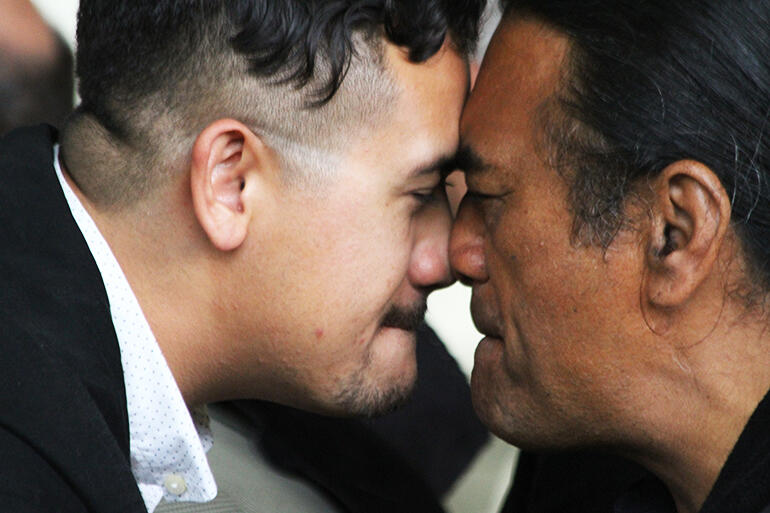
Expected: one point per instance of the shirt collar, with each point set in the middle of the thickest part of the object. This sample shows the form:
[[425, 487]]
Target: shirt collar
[[168, 442]]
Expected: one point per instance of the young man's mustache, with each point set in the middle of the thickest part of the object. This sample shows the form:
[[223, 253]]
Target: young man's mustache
[[406, 318]]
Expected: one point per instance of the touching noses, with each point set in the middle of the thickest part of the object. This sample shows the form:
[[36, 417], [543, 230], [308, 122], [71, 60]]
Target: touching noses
[[429, 264], [466, 246]]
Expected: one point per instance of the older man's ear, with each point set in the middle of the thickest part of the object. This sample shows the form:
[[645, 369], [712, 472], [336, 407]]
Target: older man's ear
[[690, 216]]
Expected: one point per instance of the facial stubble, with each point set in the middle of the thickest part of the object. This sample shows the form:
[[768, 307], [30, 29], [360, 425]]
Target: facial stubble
[[359, 395]]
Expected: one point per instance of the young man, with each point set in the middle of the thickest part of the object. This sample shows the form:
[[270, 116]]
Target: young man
[[251, 208], [615, 233]]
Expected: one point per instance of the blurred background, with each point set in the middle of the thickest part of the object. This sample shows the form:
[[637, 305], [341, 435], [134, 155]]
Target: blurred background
[[483, 486]]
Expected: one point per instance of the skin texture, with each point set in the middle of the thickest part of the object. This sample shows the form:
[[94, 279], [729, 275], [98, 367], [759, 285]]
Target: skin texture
[[258, 289], [638, 349]]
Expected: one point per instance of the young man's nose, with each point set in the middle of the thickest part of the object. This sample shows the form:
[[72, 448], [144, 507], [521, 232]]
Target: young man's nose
[[466, 246], [429, 265]]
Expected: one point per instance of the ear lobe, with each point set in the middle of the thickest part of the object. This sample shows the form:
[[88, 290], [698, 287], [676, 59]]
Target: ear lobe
[[223, 157], [691, 213]]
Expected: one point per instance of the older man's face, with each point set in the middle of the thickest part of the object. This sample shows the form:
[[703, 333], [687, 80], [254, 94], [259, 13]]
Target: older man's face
[[556, 366]]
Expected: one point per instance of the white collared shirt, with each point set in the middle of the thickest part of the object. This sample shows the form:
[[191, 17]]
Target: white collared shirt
[[168, 442]]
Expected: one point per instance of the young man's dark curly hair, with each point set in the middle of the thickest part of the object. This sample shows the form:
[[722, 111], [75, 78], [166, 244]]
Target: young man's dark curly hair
[[302, 74]]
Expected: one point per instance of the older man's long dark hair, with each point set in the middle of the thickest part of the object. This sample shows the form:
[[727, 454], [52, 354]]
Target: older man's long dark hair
[[655, 81]]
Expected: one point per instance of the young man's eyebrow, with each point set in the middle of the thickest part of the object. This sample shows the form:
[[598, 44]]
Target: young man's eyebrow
[[444, 165]]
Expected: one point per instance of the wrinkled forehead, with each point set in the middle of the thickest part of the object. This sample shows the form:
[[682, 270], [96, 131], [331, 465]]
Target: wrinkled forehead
[[521, 70]]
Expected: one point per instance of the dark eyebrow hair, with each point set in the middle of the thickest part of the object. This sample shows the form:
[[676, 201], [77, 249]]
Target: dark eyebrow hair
[[444, 165], [468, 161]]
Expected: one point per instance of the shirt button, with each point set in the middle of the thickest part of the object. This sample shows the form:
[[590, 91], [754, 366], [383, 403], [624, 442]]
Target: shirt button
[[175, 484]]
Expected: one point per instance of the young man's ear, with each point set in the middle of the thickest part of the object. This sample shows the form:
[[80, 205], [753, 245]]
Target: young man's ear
[[690, 216], [226, 157]]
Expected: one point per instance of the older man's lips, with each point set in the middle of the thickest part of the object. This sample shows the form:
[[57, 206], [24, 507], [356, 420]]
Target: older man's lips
[[484, 317], [488, 355], [491, 345], [485, 326]]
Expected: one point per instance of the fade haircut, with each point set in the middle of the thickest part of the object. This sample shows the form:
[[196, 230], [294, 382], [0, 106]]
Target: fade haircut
[[649, 83], [306, 75]]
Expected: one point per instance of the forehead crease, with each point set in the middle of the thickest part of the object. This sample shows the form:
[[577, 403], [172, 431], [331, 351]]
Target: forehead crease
[[484, 155], [521, 70], [523, 64]]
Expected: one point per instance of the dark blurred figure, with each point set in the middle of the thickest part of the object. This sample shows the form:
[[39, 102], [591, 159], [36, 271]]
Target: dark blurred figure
[[36, 80]]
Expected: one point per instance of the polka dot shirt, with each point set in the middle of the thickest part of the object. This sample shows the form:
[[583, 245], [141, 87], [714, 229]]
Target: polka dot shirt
[[168, 442]]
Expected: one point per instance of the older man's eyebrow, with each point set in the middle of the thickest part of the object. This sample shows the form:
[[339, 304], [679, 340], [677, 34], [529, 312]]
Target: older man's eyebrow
[[468, 161]]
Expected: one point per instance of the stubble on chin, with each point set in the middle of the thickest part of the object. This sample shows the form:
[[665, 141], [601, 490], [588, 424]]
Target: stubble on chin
[[365, 399], [361, 393]]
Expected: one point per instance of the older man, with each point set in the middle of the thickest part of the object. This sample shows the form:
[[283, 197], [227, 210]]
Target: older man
[[615, 232], [246, 204]]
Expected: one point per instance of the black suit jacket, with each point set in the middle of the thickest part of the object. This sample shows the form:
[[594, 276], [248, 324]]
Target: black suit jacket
[[63, 422]]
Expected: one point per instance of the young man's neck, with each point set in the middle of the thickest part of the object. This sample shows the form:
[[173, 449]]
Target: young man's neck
[[173, 293]]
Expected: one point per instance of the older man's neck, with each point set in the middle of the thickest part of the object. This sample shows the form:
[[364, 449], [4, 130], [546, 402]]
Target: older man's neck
[[724, 380]]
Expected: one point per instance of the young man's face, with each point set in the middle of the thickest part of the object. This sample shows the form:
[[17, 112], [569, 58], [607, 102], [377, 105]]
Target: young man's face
[[340, 306]]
